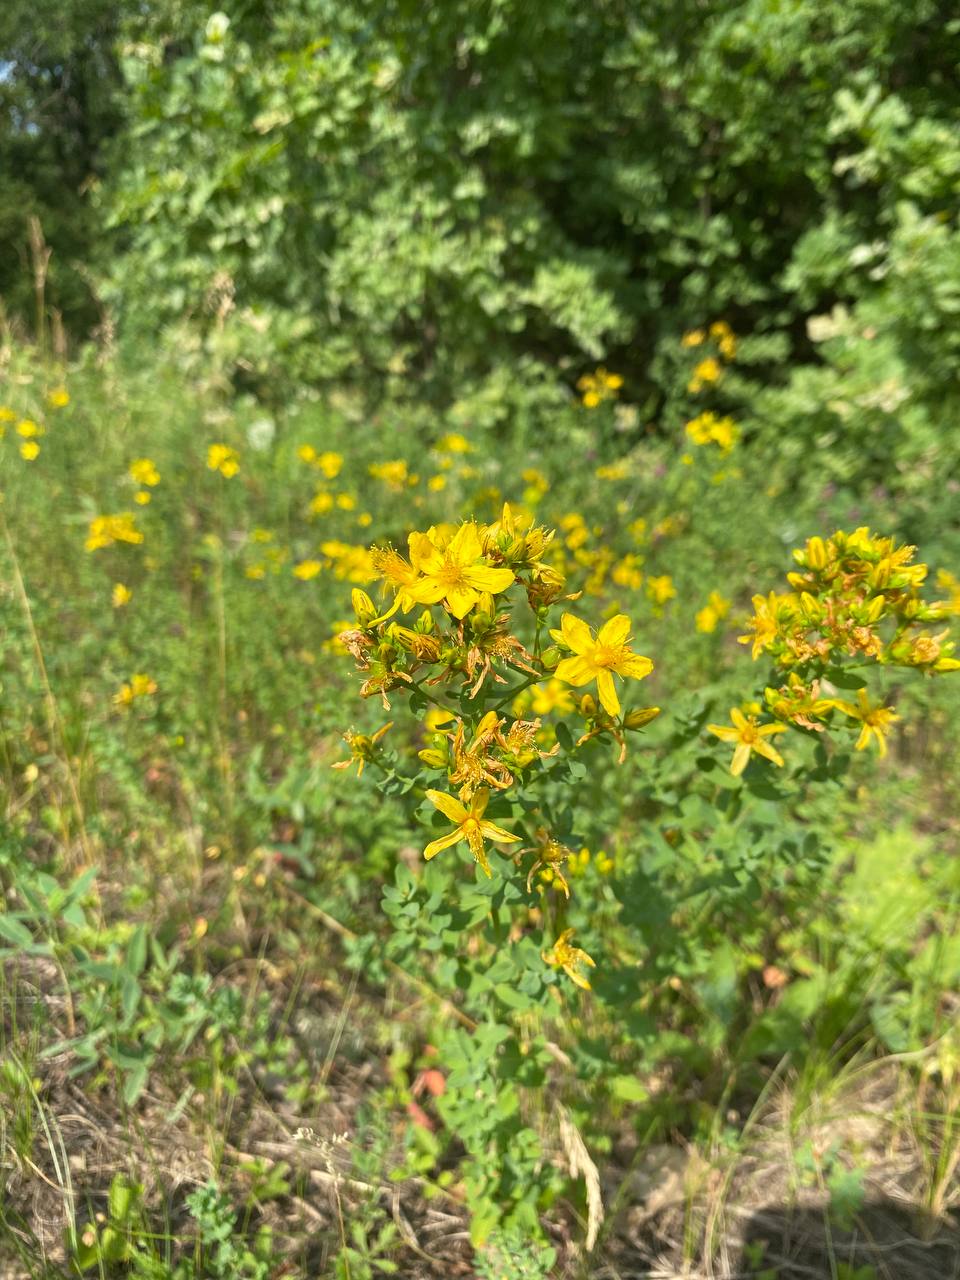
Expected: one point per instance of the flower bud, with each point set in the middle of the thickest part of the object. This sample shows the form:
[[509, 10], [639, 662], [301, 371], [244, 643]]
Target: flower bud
[[404, 637], [816, 553], [550, 658], [433, 757], [810, 606], [427, 648], [588, 706], [875, 608], [363, 607], [640, 717]]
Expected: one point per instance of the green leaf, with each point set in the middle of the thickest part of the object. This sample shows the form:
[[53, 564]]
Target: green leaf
[[136, 956], [628, 1089], [134, 1083], [15, 931]]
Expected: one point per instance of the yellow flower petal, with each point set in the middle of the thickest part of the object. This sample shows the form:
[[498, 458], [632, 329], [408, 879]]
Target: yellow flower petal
[[576, 634], [724, 732], [576, 671], [615, 631], [460, 600], [485, 578], [493, 832], [444, 842], [740, 757], [608, 693], [448, 805], [635, 666], [765, 749]]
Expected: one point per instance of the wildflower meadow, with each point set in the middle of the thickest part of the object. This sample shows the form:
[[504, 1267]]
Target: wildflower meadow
[[480, 673]]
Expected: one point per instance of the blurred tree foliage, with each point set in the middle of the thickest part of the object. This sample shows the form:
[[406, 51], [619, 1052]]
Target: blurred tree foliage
[[424, 194], [464, 205], [58, 82]]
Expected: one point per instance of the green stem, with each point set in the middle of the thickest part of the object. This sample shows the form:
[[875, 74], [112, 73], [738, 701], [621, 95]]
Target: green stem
[[430, 698]]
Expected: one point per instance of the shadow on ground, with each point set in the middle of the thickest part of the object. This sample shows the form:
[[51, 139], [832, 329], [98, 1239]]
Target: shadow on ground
[[884, 1241]]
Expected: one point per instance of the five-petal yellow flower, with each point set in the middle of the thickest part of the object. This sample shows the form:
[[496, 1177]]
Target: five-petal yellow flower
[[597, 658], [875, 720], [455, 573], [749, 736], [470, 825]]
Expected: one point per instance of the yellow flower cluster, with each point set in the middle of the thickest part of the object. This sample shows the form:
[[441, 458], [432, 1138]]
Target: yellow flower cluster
[[713, 612], [144, 472], [707, 428], [598, 386], [327, 462], [140, 686], [29, 432], [855, 601], [709, 370], [464, 583], [220, 457], [395, 475], [104, 531], [856, 596]]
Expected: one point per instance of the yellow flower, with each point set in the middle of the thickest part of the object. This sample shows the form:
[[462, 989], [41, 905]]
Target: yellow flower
[[255, 572], [321, 504], [28, 429], [693, 339], [948, 582], [470, 825], [58, 398], [307, 569], [120, 595], [749, 736], [661, 589], [394, 474], [7, 414], [220, 457], [614, 471], [874, 719], [551, 855], [144, 471], [104, 531], [707, 428], [725, 339], [708, 370], [346, 501], [436, 483], [455, 573], [765, 622], [599, 658], [716, 608], [363, 747], [552, 696], [569, 958], [598, 386], [142, 497], [140, 686], [29, 450], [627, 572], [453, 442], [330, 464]]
